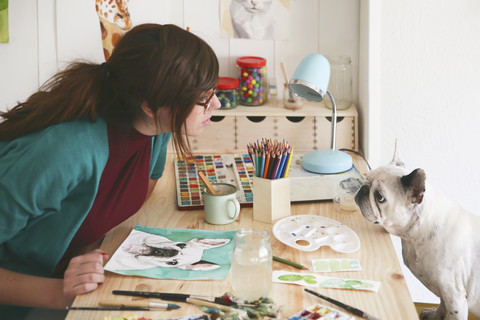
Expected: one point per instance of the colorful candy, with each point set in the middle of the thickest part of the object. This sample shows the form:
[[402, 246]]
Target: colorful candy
[[253, 80], [227, 92]]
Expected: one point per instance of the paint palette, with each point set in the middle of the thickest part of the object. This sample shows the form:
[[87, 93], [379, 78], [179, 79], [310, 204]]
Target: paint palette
[[310, 232], [236, 169]]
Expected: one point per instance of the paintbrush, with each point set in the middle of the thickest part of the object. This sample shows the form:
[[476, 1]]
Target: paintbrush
[[206, 182], [209, 304], [139, 304], [290, 263], [181, 297], [109, 308], [350, 309]]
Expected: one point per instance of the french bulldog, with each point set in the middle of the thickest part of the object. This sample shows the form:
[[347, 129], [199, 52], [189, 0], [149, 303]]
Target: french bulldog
[[440, 240]]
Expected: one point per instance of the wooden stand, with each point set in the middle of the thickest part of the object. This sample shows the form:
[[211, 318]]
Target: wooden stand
[[307, 129]]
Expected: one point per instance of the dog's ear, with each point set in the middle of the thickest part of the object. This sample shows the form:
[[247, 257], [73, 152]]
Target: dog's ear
[[414, 185], [396, 160]]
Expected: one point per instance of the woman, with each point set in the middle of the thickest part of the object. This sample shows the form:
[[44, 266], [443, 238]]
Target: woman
[[81, 155]]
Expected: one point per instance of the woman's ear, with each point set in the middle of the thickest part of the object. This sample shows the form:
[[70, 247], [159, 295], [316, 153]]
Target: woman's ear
[[147, 110]]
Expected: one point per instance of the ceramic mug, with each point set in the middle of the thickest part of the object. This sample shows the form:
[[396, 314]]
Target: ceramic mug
[[223, 207]]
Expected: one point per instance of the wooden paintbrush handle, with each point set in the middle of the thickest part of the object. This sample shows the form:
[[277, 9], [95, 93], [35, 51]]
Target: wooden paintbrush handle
[[209, 304], [136, 303], [206, 182]]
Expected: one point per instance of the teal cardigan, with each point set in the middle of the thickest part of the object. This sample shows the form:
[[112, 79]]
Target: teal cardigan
[[48, 183]]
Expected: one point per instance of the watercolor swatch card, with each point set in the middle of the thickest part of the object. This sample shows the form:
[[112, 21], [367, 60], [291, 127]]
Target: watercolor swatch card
[[317, 281], [183, 254], [334, 265]]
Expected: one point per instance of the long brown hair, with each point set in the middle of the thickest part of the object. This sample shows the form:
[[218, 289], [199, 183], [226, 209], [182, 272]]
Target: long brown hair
[[162, 65]]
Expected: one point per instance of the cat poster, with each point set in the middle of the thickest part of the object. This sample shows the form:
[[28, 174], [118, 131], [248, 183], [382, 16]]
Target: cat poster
[[255, 19]]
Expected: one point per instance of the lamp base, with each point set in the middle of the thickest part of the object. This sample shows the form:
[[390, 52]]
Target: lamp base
[[327, 161]]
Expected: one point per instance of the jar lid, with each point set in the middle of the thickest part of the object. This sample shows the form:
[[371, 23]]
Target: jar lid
[[225, 83], [251, 62]]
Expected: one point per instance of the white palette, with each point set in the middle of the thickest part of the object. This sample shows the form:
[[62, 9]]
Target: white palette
[[310, 232]]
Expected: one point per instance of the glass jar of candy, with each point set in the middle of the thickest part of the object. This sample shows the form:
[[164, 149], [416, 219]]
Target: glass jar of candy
[[253, 80], [227, 92]]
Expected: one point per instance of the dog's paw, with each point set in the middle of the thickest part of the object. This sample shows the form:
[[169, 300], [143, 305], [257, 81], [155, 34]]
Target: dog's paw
[[428, 314]]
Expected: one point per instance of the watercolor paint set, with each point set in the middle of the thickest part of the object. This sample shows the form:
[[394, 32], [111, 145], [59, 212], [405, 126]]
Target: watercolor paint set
[[236, 169], [320, 312]]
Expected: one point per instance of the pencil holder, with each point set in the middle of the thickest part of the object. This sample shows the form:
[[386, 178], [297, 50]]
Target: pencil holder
[[271, 199]]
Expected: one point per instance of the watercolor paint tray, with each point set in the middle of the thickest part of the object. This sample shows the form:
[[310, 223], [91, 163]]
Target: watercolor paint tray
[[320, 312], [238, 169], [310, 232]]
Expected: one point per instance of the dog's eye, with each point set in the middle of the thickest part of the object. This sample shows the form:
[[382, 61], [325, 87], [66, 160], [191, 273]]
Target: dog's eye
[[379, 197]]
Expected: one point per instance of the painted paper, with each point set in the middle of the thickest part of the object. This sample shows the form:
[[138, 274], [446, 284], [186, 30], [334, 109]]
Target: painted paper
[[183, 254], [317, 281], [334, 265]]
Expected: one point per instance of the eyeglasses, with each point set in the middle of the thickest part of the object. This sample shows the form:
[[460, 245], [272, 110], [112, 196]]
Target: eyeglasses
[[206, 103]]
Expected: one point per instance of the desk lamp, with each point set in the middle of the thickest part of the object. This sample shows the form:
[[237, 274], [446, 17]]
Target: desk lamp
[[310, 81]]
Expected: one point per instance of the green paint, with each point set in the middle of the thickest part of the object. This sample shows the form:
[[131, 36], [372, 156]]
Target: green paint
[[4, 34]]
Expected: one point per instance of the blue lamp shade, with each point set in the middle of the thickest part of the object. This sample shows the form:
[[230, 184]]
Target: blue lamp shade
[[310, 81]]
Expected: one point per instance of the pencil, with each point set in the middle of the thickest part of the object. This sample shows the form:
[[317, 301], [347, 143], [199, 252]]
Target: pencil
[[350, 309], [290, 263], [288, 162], [263, 165], [275, 169], [267, 163], [281, 168]]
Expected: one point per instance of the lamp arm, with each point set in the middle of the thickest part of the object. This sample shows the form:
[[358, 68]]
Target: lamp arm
[[334, 120]]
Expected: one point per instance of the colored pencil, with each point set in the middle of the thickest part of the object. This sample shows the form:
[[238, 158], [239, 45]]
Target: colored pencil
[[288, 163], [273, 159], [350, 309], [290, 263], [270, 158], [262, 169], [267, 163], [282, 166], [275, 169]]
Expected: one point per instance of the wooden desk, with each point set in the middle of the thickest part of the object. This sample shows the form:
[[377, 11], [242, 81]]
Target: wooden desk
[[377, 258]]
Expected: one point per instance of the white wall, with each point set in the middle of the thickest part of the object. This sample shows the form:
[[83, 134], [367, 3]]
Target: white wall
[[58, 31], [425, 92]]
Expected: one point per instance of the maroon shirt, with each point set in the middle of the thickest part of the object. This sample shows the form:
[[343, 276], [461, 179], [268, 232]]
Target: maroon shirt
[[123, 185]]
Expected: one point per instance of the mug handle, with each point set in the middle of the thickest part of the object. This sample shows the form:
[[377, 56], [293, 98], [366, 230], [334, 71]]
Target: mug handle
[[236, 204]]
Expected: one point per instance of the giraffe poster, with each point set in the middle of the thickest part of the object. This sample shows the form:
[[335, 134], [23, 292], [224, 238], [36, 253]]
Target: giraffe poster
[[114, 22], [4, 35]]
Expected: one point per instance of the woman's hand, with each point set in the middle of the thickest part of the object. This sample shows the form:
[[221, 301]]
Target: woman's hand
[[83, 274]]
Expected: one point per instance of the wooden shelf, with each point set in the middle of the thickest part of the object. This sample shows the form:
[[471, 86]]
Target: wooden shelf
[[308, 109], [307, 129]]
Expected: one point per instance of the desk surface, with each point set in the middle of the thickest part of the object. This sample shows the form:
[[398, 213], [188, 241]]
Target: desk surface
[[377, 258]]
